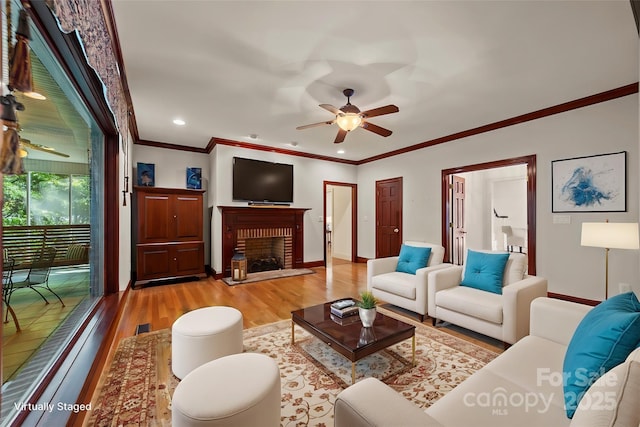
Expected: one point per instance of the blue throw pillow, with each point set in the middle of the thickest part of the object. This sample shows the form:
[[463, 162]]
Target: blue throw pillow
[[604, 338], [412, 258], [484, 271]]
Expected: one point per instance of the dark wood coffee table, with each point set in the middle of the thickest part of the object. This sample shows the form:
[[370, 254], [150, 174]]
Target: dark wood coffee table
[[348, 337]]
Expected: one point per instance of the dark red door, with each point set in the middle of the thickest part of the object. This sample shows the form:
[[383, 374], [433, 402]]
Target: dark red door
[[388, 217]]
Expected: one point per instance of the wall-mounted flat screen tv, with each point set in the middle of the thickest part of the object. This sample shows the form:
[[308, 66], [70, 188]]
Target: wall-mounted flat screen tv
[[262, 182]]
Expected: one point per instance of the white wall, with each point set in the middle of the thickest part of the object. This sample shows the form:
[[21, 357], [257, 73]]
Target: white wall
[[170, 172], [308, 192], [570, 269], [124, 265]]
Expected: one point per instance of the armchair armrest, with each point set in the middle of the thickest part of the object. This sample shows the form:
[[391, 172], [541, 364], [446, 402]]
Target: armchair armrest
[[422, 289], [380, 266], [555, 319], [517, 299], [441, 279], [370, 402]]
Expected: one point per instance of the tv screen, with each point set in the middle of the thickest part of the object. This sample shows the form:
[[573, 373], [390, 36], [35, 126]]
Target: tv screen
[[263, 182]]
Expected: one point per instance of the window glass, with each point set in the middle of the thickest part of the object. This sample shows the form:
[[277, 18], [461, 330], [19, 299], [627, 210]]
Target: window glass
[[14, 210], [57, 203]]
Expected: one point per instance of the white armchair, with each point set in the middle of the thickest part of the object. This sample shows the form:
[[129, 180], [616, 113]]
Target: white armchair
[[405, 290], [501, 316]]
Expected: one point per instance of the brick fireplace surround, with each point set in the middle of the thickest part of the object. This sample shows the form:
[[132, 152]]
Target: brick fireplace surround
[[241, 223]]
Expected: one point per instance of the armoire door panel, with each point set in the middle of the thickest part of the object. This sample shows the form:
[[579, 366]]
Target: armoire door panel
[[155, 223], [187, 225]]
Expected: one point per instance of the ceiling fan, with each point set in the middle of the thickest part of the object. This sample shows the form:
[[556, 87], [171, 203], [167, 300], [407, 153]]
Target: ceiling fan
[[349, 117], [25, 143]]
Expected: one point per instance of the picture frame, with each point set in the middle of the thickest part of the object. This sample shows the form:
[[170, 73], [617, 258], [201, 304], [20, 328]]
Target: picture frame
[[590, 184], [194, 178], [146, 173]]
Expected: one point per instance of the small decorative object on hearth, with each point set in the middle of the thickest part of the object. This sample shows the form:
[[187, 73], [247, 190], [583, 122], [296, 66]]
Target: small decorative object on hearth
[[367, 308], [238, 266]]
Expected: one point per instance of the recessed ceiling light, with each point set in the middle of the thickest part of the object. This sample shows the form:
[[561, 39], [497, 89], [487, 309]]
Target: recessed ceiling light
[[179, 122], [340, 151]]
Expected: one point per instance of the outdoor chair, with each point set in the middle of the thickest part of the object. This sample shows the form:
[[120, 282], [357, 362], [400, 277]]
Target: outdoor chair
[[38, 276], [7, 285]]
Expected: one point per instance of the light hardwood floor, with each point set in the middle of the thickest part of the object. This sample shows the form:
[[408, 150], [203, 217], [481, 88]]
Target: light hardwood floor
[[260, 303]]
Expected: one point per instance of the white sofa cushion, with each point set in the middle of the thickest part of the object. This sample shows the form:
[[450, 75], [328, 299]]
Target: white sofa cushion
[[488, 400], [612, 401], [396, 283], [534, 365], [515, 269], [472, 302]]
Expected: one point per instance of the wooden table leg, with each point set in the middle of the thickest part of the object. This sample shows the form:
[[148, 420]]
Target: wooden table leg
[[413, 350], [353, 372]]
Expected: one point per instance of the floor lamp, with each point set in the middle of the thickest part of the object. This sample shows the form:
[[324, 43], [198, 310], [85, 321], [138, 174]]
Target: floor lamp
[[610, 235]]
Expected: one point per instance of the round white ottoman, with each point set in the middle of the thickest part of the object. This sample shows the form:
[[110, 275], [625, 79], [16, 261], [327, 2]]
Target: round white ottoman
[[203, 335], [240, 390]]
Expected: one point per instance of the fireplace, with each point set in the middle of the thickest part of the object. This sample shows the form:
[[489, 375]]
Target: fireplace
[[266, 253], [270, 237]]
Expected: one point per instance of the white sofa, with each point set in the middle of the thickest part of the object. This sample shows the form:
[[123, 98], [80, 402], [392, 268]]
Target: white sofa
[[519, 388], [404, 290], [501, 316]]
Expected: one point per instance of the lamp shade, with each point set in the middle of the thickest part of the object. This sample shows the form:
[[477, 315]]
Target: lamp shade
[[612, 235]]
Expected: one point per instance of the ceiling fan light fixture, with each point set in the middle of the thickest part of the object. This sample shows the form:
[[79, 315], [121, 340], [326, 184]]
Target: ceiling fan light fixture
[[348, 121], [22, 153]]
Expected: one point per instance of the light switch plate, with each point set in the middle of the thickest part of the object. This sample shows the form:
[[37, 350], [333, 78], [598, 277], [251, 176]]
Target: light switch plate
[[561, 219]]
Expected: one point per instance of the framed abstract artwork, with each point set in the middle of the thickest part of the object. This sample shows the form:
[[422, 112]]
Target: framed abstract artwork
[[590, 184], [146, 174], [194, 178]]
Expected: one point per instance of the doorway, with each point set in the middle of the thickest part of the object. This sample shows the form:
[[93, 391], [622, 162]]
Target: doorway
[[340, 214], [449, 207]]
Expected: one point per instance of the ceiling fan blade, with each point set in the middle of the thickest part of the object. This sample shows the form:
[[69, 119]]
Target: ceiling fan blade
[[387, 109], [42, 148], [340, 137], [376, 129], [331, 108], [312, 125]]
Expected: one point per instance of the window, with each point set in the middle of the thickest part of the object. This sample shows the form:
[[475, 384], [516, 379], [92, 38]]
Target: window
[[58, 203], [41, 198]]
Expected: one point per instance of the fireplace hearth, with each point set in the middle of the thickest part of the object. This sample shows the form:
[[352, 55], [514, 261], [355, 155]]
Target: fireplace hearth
[[281, 227]]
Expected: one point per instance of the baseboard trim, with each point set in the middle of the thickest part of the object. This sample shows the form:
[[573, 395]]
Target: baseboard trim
[[573, 299], [312, 264], [361, 259]]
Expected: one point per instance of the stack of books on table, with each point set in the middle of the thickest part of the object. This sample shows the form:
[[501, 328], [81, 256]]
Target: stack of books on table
[[344, 308]]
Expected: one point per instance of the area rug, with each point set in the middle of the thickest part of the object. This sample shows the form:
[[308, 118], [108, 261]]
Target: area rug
[[268, 275], [138, 388]]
